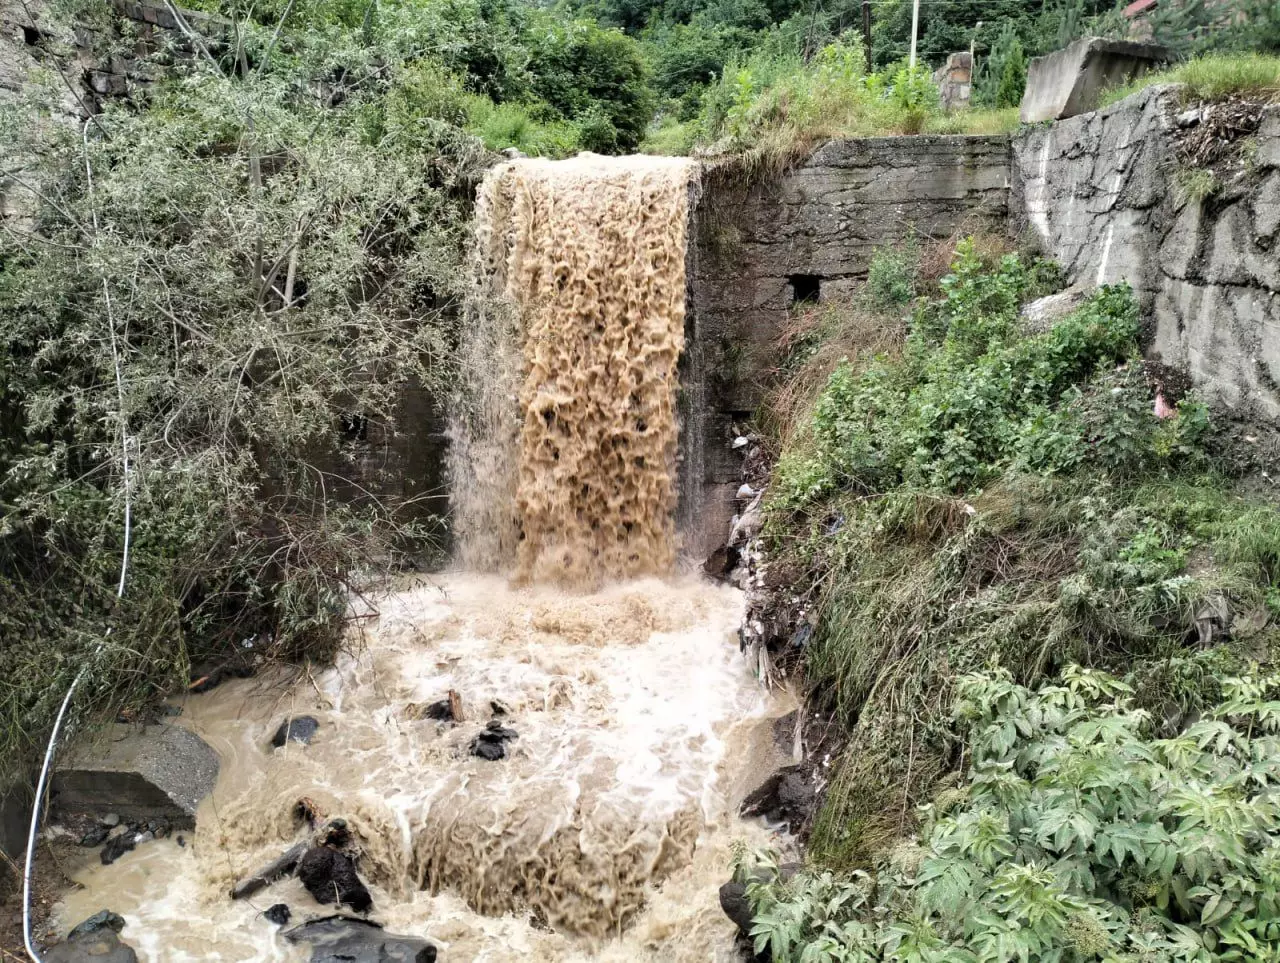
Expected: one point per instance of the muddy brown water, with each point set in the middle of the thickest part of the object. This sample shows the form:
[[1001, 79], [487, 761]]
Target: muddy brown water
[[603, 836]]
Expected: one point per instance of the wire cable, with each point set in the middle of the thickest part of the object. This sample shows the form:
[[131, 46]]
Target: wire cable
[[28, 872]]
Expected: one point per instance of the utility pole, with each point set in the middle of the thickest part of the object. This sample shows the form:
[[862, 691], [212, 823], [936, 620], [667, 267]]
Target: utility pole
[[866, 31], [973, 59], [915, 30]]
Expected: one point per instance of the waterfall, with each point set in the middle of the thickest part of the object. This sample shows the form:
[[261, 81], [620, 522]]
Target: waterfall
[[563, 462], [631, 727]]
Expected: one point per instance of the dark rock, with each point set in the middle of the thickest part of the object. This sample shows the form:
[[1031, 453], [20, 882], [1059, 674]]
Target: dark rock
[[268, 874], [117, 846], [786, 796], [733, 895], [181, 841], [99, 921], [440, 710], [491, 743], [331, 877], [448, 709], [498, 708], [733, 900], [96, 940], [721, 562], [342, 939], [300, 729], [336, 833], [95, 837], [278, 914], [492, 751]]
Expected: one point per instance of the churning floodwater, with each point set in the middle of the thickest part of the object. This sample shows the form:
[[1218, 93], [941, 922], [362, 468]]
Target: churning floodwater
[[607, 828]]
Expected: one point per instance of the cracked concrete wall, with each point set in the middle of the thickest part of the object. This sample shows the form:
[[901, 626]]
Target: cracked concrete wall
[[1100, 192], [755, 247]]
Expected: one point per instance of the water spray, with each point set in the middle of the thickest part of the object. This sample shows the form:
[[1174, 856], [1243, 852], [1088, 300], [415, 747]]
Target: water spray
[[28, 871]]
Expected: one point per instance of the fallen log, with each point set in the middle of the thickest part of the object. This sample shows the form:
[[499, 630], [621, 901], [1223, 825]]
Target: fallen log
[[285, 865]]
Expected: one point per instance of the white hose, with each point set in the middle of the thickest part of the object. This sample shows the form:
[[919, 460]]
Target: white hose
[[28, 873]]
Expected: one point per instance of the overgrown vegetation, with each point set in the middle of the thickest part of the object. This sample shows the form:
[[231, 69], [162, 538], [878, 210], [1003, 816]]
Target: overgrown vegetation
[[1085, 828], [1214, 77], [210, 288], [984, 494]]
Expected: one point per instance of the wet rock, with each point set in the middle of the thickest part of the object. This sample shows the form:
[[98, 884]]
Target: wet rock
[[331, 877], [721, 562], [498, 708], [95, 837], [342, 939], [96, 940], [99, 921], [736, 906], [733, 895], [491, 743], [788, 796], [117, 846], [278, 914], [137, 774], [278, 868], [299, 729]]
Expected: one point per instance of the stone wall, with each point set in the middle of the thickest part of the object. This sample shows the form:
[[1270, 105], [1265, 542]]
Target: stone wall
[[809, 235], [1105, 194], [87, 65]]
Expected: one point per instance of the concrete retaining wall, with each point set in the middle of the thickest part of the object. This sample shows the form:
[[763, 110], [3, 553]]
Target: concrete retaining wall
[[1101, 192], [811, 233]]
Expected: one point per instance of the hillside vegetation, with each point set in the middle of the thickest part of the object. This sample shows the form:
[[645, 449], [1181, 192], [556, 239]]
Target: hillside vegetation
[[976, 510]]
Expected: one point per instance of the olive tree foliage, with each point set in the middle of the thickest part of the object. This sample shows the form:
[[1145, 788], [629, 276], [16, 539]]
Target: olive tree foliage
[[209, 285]]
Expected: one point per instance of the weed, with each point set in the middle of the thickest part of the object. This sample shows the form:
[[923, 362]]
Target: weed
[[1195, 185]]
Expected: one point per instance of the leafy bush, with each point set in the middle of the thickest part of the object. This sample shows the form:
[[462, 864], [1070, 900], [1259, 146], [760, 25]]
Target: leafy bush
[[891, 277], [1078, 834], [971, 398], [989, 494], [211, 285]]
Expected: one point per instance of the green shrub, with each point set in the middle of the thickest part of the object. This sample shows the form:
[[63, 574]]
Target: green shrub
[[970, 399], [992, 494], [213, 282], [1077, 834], [892, 277]]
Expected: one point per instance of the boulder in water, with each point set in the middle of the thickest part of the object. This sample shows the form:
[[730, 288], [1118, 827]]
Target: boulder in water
[[342, 939], [733, 895], [491, 742], [117, 846], [96, 940], [448, 709], [298, 729], [330, 877], [280, 914]]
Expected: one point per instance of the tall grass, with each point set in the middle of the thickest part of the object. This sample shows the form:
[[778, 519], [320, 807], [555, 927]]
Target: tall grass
[[1216, 77], [772, 108]]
